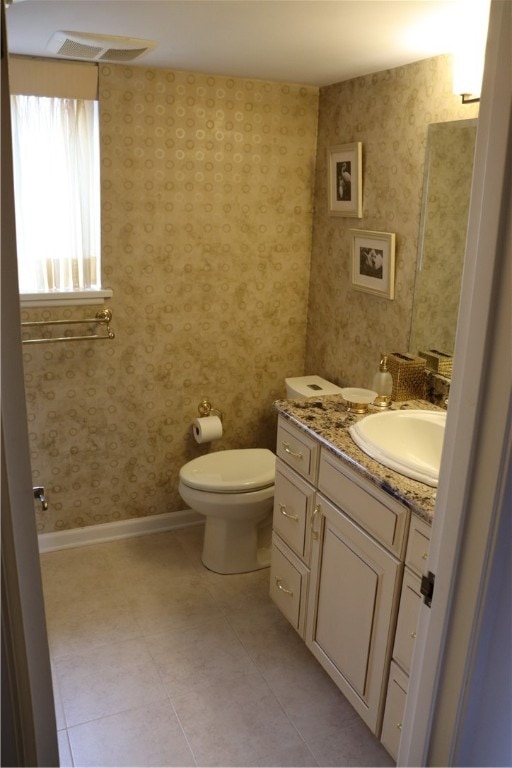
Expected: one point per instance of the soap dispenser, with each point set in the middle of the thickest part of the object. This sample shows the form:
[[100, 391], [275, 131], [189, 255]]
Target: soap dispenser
[[383, 384]]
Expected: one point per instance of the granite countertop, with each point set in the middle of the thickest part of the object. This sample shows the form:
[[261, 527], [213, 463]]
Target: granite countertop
[[326, 419]]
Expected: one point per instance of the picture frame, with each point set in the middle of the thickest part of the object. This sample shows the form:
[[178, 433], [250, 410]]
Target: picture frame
[[345, 180], [373, 262]]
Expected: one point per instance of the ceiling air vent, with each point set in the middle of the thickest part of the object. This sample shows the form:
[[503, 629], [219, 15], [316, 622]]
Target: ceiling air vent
[[91, 47]]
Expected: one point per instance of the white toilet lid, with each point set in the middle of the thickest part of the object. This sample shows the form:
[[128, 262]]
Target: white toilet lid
[[245, 469]]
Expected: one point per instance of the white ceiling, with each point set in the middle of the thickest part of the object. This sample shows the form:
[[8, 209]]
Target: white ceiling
[[315, 42]]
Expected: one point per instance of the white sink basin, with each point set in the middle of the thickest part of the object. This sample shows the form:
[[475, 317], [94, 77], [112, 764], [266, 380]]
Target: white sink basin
[[410, 442]]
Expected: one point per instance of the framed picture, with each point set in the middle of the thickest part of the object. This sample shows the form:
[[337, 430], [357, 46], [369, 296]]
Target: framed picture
[[373, 262], [345, 184]]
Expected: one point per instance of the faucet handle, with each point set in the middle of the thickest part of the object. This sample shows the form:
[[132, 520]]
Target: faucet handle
[[39, 493]]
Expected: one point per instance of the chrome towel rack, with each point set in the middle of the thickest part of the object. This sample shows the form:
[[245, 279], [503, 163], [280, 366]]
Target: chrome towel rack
[[104, 317]]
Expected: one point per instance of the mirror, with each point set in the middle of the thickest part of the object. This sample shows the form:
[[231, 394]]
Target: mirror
[[446, 193]]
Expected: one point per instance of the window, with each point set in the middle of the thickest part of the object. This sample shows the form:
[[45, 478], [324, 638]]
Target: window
[[57, 193]]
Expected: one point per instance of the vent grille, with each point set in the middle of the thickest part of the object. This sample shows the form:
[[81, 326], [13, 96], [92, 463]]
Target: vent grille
[[72, 49], [92, 47], [122, 54]]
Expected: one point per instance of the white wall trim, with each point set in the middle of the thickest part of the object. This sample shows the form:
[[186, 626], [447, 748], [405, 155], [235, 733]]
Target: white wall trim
[[119, 529]]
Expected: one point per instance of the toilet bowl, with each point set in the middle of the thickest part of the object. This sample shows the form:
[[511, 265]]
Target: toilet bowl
[[234, 490]]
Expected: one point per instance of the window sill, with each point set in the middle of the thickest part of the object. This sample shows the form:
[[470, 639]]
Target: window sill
[[64, 298]]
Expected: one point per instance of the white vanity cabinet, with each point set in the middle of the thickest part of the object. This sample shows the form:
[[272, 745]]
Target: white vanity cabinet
[[337, 563], [405, 636]]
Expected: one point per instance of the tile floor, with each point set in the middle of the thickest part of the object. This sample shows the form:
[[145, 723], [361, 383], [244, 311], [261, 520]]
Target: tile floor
[[159, 662]]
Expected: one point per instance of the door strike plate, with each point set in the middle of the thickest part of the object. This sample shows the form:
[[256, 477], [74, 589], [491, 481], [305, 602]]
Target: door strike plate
[[427, 588]]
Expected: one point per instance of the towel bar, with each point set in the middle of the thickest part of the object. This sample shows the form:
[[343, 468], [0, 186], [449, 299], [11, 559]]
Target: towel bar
[[104, 317]]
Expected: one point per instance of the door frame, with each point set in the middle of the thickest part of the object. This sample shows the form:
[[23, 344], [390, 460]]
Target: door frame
[[29, 733], [473, 500]]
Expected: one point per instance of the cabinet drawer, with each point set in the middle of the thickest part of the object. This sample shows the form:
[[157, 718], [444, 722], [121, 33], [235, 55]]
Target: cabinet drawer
[[297, 450], [408, 615], [293, 501], [417, 546], [374, 510], [288, 585], [394, 712]]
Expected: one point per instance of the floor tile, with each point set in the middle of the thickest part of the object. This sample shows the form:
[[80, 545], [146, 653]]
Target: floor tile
[[102, 619], [240, 592], [200, 657], [154, 555], [65, 758], [107, 680], [309, 699], [149, 736], [73, 575], [240, 724], [179, 602], [265, 633], [353, 745], [60, 717], [191, 539]]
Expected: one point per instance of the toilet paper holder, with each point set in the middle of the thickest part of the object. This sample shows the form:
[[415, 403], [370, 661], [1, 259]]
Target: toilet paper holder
[[205, 409]]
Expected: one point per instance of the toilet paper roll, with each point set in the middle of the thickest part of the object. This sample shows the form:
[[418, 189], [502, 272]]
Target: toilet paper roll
[[207, 429]]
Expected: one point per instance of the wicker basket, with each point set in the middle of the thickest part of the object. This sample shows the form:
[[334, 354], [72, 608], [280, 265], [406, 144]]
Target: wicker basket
[[439, 362], [408, 374]]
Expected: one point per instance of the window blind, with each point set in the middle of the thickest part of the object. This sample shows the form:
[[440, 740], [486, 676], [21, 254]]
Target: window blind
[[30, 76]]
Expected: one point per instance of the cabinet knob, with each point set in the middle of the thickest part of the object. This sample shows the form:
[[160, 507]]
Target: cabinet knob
[[279, 585], [399, 726], [289, 451], [413, 635], [282, 509]]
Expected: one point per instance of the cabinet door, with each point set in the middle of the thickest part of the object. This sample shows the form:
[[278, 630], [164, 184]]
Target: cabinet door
[[352, 604]]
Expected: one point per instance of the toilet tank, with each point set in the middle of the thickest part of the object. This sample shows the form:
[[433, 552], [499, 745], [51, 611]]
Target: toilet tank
[[310, 386]]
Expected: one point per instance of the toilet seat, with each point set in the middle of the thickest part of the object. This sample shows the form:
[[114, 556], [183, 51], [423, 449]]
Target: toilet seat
[[233, 471]]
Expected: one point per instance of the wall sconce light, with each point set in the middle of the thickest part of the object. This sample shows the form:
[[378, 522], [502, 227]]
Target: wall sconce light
[[468, 98], [469, 54], [467, 74]]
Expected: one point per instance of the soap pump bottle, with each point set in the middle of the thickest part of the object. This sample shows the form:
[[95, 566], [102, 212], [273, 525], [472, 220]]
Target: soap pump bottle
[[383, 384]]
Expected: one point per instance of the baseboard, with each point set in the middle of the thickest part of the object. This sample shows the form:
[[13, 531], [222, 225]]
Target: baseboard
[[120, 529]]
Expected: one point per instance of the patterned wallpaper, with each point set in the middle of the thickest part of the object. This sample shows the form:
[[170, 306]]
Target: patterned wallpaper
[[389, 112], [207, 214], [207, 191]]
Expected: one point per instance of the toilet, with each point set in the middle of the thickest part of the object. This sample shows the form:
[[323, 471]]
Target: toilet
[[234, 490]]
